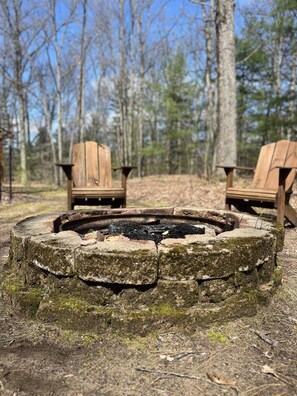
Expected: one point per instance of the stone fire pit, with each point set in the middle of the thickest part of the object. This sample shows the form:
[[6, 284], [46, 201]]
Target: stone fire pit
[[71, 269]]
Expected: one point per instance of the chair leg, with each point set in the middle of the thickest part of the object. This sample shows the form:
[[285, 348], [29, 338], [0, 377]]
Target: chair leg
[[116, 204], [227, 204], [291, 215], [281, 195], [243, 206]]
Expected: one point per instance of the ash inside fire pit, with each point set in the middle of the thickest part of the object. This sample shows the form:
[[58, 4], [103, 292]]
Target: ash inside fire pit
[[154, 232]]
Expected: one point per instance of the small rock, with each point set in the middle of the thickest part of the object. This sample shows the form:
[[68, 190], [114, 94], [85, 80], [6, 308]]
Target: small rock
[[88, 242]]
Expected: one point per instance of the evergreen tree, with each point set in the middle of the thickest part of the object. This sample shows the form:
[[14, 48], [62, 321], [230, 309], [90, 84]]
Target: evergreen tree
[[178, 101], [266, 74]]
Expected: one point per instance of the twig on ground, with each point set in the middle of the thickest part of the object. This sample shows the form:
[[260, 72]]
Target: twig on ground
[[170, 352], [210, 357], [258, 389], [264, 338], [176, 355], [88, 369], [9, 341], [184, 354], [172, 334], [152, 371], [268, 370]]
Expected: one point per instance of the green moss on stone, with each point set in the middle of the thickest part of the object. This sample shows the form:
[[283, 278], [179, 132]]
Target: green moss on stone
[[66, 302], [279, 232], [12, 283], [277, 276], [22, 298], [75, 314], [166, 310], [178, 248], [216, 336], [136, 253]]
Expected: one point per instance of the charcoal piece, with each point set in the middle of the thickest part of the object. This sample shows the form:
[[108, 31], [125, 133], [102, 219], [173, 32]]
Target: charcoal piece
[[154, 232]]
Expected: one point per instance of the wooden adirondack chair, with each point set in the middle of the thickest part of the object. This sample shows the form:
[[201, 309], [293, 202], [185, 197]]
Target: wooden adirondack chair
[[272, 182], [89, 179]]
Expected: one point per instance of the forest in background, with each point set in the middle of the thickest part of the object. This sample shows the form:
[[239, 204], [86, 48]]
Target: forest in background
[[140, 76]]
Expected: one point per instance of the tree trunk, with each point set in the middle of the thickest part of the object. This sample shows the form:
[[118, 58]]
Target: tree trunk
[[59, 87], [140, 101], [226, 142], [121, 88], [18, 60], [292, 102], [209, 26], [23, 157], [48, 122], [60, 116], [80, 116]]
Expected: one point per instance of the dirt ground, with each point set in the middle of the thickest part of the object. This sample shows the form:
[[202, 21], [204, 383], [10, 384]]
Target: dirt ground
[[251, 356]]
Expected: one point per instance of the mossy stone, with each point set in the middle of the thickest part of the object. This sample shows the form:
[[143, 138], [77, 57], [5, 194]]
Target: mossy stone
[[56, 253], [130, 263], [73, 313], [246, 280], [180, 294], [216, 290], [21, 298]]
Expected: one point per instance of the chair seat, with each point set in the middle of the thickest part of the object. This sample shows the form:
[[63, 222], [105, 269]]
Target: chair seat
[[94, 192], [272, 182], [261, 195]]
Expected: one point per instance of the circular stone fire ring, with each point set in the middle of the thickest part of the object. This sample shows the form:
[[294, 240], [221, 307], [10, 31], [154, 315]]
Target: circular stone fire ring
[[71, 269]]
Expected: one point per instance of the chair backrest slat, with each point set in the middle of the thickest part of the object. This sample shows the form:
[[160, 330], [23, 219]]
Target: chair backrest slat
[[281, 153], [105, 166], [92, 179], [79, 168], [92, 165], [279, 159], [263, 166], [291, 161]]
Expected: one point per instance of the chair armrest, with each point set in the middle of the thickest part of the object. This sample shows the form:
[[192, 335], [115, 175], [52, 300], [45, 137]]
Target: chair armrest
[[67, 169], [125, 168], [236, 167], [229, 172], [125, 173], [286, 167], [284, 172]]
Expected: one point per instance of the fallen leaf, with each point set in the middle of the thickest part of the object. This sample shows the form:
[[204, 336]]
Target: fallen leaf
[[268, 370], [88, 242], [111, 238], [90, 235], [167, 357], [220, 380]]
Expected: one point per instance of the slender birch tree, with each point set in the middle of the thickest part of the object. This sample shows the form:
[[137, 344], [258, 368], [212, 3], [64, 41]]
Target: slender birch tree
[[226, 80], [20, 29]]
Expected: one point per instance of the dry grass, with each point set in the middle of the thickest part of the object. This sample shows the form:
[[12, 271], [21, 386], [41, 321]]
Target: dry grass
[[229, 359]]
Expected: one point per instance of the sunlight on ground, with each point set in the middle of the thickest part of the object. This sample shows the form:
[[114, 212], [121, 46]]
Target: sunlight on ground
[[32, 202]]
